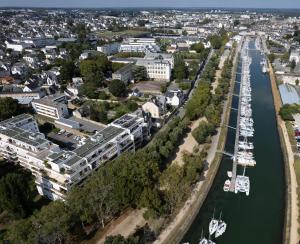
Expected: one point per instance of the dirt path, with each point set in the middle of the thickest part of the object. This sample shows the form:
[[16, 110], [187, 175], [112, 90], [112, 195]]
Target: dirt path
[[188, 144], [124, 225], [219, 71]]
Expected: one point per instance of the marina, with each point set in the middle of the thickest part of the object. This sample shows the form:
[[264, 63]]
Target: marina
[[243, 148], [265, 198]]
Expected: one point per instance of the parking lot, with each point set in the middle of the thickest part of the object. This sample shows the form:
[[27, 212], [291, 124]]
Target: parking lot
[[149, 86], [65, 139]]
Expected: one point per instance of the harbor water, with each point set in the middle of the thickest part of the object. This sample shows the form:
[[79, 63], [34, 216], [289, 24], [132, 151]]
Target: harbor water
[[259, 217]]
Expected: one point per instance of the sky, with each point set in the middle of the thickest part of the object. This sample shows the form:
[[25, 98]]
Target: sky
[[293, 4]]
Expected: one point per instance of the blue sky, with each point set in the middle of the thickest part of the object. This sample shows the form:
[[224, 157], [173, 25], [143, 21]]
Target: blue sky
[[154, 3]]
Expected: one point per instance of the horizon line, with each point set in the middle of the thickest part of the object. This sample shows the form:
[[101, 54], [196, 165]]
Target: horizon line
[[155, 7]]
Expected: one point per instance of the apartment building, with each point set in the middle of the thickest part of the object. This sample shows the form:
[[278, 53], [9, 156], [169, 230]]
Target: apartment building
[[109, 49], [161, 56], [142, 45], [57, 170], [54, 106], [157, 69]]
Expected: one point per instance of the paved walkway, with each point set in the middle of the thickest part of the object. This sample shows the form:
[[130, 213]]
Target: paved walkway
[[294, 236], [293, 212]]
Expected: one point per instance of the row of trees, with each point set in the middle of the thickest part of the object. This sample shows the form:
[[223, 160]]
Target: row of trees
[[204, 103]]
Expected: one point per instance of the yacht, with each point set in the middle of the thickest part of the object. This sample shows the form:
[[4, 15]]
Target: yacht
[[242, 183], [221, 227], [203, 240]]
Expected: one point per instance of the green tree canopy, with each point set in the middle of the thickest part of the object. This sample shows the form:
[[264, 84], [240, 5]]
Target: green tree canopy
[[15, 195], [198, 47], [68, 70], [93, 69], [180, 69], [203, 131], [8, 108], [139, 73], [117, 88]]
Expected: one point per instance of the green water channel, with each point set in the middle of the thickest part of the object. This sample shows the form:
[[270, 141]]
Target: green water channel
[[259, 217]]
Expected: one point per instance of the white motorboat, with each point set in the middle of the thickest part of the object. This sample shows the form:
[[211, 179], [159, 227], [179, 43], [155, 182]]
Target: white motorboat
[[226, 186], [229, 174]]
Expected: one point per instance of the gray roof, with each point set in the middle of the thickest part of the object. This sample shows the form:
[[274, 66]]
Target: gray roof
[[16, 119], [30, 138], [98, 141], [289, 94]]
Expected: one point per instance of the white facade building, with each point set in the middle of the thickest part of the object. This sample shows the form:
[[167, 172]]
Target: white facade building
[[161, 56], [56, 170], [54, 107], [18, 47], [174, 97], [156, 69]]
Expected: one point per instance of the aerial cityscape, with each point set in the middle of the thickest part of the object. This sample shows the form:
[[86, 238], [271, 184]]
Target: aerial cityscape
[[139, 122]]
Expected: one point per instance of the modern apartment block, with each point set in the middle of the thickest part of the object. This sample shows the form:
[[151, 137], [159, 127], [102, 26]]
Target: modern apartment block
[[57, 170], [54, 107]]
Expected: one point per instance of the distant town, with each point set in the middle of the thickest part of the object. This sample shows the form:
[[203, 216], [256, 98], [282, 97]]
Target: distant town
[[113, 122]]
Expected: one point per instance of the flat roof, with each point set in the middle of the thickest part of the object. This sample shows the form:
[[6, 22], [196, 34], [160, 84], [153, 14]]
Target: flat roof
[[126, 121], [24, 136], [289, 94], [98, 140], [49, 100], [16, 119], [72, 160]]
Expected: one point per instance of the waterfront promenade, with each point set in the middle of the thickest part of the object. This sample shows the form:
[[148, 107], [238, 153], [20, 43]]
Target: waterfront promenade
[[292, 208], [180, 224]]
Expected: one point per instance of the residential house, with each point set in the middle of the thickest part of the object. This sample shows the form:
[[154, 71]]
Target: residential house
[[174, 97], [157, 108]]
